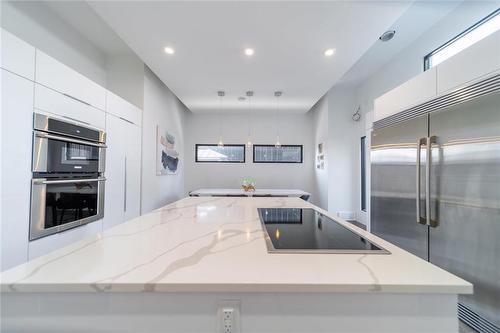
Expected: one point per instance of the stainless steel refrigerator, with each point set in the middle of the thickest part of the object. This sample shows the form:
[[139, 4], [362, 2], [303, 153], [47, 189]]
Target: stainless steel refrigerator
[[435, 190]]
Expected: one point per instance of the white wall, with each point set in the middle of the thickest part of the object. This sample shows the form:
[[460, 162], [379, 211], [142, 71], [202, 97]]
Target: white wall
[[319, 114], [161, 107], [294, 129], [343, 152]]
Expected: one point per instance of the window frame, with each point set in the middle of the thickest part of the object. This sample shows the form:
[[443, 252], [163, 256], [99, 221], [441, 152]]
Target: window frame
[[278, 162], [196, 160], [457, 37]]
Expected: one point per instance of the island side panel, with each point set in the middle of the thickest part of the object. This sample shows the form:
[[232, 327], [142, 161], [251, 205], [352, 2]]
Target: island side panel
[[260, 313]]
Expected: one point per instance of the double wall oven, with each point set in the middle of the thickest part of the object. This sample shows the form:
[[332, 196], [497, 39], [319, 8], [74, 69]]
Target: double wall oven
[[67, 188]]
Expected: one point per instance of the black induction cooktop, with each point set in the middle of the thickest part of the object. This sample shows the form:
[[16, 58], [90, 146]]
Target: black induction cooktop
[[305, 230]]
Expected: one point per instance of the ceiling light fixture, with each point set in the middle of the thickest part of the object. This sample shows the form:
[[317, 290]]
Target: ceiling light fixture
[[329, 52], [249, 52], [169, 50], [387, 36], [221, 94], [277, 94], [249, 137]]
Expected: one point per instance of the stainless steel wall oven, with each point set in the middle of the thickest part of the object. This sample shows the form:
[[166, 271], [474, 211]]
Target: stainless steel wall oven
[[67, 189]]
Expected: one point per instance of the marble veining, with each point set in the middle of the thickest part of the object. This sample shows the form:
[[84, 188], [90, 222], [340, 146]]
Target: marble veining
[[209, 244]]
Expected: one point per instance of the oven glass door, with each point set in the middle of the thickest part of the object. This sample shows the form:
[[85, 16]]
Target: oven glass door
[[55, 154], [63, 204]]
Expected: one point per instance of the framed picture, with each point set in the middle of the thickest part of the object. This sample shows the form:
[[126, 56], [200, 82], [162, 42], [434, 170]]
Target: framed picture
[[320, 157], [167, 157], [320, 148]]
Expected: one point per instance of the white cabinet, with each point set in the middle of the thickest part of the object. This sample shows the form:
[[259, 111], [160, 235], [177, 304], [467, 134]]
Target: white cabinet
[[472, 63], [16, 142], [53, 74], [51, 101], [119, 107], [133, 172], [42, 246], [17, 56], [123, 171], [410, 93]]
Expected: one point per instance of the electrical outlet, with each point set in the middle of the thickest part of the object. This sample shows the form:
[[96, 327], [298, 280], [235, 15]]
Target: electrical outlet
[[228, 316], [228, 320]]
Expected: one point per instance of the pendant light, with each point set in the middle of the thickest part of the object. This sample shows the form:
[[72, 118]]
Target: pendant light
[[277, 94], [249, 136], [221, 94]]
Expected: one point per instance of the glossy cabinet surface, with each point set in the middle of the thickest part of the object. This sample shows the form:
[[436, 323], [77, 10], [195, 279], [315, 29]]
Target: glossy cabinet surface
[[472, 63], [42, 246], [55, 75], [16, 142], [51, 101], [123, 171], [411, 93], [44, 85], [120, 108], [17, 56], [133, 183]]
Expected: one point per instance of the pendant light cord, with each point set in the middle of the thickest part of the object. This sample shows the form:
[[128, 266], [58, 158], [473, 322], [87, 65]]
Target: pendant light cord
[[249, 96], [221, 94], [277, 94]]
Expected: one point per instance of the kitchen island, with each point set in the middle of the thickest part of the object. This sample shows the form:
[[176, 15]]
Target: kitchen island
[[172, 269]]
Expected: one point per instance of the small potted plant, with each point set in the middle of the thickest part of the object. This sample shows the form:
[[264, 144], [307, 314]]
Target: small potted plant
[[248, 184]]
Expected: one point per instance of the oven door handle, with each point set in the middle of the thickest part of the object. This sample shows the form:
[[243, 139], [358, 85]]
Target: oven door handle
[[64, 138], [43, 181]]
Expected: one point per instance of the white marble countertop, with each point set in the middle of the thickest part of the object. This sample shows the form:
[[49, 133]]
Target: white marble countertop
[[239, 191], [206, 244]]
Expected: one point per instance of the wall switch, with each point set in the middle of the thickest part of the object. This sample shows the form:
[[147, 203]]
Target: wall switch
[[228, 318]]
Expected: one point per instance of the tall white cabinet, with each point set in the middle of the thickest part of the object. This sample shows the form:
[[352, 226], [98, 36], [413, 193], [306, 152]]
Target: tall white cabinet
[[16, 127], [32, 81], [123, 161]]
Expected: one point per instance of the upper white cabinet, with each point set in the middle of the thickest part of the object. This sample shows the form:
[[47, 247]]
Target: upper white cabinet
[[123, 171], [17, 56], [410, 93], [51, 101], [472, 63], [16, 142], [53, 74], [119, 107]]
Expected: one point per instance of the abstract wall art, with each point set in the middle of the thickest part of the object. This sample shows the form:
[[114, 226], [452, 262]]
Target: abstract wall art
[[167, 157]]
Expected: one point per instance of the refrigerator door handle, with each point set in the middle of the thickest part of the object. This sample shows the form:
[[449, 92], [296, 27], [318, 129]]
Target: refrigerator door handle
[[429, 142], [420, 142]]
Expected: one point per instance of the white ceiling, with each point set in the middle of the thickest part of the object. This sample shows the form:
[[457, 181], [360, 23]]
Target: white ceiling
[[289, 39]]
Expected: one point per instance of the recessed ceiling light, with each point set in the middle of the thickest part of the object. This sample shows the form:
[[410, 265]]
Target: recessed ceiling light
[[329, 52], [249, 52], [169, 50], [387, 36]]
